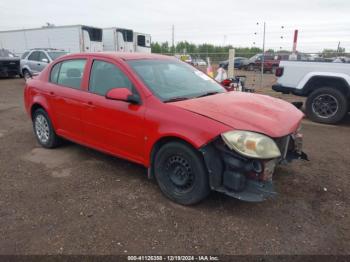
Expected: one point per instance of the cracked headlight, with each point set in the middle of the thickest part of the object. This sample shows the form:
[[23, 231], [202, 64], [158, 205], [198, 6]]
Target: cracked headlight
[[251, 144]]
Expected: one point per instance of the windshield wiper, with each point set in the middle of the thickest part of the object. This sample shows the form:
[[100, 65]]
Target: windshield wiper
[[209, 94], [180, 98]]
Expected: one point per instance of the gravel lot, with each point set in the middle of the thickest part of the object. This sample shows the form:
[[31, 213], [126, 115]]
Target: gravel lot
[[74, 200]]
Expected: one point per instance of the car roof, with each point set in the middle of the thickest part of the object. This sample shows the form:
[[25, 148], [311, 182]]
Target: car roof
[[121, 55], [47, 50]]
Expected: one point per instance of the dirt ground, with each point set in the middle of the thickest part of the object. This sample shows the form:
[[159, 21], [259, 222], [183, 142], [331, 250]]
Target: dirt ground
[[74, 200]]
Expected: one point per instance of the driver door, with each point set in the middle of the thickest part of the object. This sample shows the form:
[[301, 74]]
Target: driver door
[[113, 126]]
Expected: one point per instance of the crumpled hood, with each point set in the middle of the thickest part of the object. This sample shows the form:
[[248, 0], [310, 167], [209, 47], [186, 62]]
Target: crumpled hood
[[246, 111]]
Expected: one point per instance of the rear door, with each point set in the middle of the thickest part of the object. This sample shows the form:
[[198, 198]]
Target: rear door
[[43, 61], [65, 97], [114, 126]]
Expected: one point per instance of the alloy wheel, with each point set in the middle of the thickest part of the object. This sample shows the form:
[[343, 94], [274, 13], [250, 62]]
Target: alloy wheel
[[325, 106], [42, 129]]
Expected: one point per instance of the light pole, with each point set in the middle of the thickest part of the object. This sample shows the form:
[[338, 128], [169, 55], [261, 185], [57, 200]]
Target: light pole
[[173, 39], [263, 55], [263, 58]]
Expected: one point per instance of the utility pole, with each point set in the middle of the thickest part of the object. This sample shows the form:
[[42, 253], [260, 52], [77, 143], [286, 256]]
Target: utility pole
[[173, 39], [263, 58]]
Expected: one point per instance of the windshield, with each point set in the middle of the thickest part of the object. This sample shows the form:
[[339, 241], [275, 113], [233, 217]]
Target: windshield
[[55, 55], [169, 79]]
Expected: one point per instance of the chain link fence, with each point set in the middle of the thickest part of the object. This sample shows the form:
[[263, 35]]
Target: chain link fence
[[248, 64]]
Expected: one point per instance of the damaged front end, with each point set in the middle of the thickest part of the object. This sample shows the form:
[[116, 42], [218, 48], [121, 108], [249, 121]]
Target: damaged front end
[[246, 178]]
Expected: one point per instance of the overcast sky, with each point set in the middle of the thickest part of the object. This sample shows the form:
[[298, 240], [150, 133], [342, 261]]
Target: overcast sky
[[321, 23]]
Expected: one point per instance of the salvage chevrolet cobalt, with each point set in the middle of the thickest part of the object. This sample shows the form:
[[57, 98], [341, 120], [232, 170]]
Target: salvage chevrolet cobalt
[[191, 133]]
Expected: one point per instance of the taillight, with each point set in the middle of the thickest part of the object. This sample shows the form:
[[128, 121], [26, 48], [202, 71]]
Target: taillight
[[279, 71]]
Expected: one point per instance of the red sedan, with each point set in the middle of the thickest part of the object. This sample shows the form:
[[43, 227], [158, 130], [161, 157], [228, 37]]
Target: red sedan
[[190, 132]]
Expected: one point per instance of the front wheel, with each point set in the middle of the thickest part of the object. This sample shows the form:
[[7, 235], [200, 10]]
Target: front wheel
[[251, 67], [181, 173], [26, 74], [326, 105]]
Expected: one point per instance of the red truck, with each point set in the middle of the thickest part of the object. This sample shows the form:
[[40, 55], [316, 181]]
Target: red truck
[[271, 62]]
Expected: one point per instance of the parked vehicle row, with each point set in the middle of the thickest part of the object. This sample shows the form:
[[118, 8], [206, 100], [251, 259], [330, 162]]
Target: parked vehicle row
[[239, 63], [34, 61], [229, 142], [271, 62]]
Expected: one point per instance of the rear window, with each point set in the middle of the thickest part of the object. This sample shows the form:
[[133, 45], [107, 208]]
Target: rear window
[[55, 55], [68, 73]]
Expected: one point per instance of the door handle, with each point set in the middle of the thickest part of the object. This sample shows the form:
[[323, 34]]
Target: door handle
[[52, 93], [90, 104]]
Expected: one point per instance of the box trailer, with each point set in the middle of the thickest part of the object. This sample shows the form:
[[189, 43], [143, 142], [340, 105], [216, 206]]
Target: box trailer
[[142, 42], [74, 38], [118, 39]]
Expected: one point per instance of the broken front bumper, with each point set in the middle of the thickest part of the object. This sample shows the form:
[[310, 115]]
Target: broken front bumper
[[244, 178]]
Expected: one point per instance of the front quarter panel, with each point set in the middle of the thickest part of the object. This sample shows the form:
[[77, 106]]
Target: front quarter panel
[[167, 120]]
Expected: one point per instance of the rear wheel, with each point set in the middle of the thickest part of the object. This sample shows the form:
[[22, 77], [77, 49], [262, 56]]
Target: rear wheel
[[326, 105], [43, 129], [181, 174]]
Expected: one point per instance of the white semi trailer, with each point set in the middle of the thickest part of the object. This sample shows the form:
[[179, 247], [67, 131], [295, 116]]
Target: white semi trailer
[[118, 39], [74, 38], [125, 40], [142, 42]]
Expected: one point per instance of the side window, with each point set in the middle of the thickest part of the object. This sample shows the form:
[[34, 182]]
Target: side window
[[54, 73], [34, 56], [42, 56], [71, 73], [105, 76]]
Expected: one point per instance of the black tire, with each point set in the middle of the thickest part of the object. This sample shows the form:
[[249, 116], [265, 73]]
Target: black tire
[[326, 105], [181, 174], [251, 67], [52, 140], [26, 74]]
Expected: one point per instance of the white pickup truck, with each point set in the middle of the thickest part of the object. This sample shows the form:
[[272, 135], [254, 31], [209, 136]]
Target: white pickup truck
[[326, 86]]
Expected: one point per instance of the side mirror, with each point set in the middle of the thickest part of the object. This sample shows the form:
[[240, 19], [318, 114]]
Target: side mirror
[[122, 94], [44, 60]]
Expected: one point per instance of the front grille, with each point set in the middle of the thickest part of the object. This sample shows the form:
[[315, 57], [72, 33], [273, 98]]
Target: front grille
[[10, 64]]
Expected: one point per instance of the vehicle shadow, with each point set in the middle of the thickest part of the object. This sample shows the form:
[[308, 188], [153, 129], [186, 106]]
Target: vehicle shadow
[[344, 123], [9, 77], [126, 170]]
